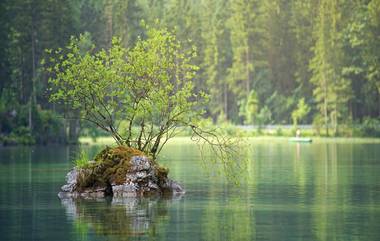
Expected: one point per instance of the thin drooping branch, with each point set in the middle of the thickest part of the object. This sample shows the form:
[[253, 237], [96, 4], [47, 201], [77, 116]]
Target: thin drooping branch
[[221, 146]]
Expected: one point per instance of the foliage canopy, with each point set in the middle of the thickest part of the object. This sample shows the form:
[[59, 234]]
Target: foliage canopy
[[149, 87]]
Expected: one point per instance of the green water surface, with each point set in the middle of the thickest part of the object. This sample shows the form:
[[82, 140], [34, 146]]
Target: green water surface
[[325, 190]]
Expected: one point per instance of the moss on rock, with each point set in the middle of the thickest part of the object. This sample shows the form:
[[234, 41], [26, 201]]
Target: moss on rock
[[112, 165]]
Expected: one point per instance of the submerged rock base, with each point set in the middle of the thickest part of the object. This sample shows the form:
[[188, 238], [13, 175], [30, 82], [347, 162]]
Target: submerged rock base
[[119, 172]]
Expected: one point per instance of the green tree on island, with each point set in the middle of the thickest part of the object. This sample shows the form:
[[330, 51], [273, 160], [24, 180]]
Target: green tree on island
[[148, 86]]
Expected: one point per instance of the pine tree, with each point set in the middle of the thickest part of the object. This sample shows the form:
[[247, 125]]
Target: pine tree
[[214, 56], [243, 34], [332, 91]]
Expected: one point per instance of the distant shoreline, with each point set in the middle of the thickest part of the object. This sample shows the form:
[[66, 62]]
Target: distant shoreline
[[186, 139]]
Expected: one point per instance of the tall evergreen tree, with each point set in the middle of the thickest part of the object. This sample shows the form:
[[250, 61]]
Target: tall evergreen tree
[[242, 27], [214, 56], [332, 91]]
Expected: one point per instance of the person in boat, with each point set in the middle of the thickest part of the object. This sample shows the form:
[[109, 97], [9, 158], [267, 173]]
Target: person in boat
[[298, 133]]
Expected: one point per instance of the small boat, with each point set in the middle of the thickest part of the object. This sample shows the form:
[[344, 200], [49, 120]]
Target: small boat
[[300, 139]]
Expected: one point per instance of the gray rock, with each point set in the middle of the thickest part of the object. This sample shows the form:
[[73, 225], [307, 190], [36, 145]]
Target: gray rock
[[140, 163], [125, 190], [93, 193], [141, 175], [131, 177], [68, 188], [71, 179], [130, 203], [65, 195], [71, 208], [173, 186], [153, 185]]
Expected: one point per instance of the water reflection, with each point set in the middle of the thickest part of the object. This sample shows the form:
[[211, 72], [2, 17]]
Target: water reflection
[[121, 218], [321, 191]]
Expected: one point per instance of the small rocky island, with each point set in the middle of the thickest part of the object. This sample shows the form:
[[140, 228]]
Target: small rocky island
[[119, 172]]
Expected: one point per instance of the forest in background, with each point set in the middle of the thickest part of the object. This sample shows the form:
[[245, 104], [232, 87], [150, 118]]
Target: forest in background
[[262, 62]]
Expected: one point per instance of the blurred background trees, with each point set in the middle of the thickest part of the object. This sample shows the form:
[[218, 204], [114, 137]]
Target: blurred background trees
[[326, 52]]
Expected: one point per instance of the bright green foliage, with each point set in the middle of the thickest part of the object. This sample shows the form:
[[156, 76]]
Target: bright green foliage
[[241, 25], [264, 116], [362, 65], [149, 86], [302, 28], [27, 28], [370, 127], [326, 51], [301, 112], [332, 91], [82, 160], [140, 96], [280, 44], [251, 108], [213, 62]]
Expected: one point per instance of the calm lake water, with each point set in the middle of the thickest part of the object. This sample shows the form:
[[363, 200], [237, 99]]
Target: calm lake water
[[321, 191]]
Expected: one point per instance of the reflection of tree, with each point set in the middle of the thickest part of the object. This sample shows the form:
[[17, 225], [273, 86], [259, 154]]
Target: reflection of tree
[[232, 217], [300, 160], [235, 221], [328, 208], [119, 218], [229, 217]]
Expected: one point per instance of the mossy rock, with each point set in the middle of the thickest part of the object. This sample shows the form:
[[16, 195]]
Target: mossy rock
[[112, 165], [122, 172]]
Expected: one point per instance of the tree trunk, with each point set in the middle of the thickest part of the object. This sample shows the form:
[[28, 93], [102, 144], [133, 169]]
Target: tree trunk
[[325, 104], [32, 99], [109, 17], [73, 130], [154, 149], [248, 76], [225, 100], [30, 122], [335, 120]]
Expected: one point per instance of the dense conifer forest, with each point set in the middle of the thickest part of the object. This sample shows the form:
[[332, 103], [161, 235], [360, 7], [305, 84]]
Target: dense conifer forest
[[263, 62]]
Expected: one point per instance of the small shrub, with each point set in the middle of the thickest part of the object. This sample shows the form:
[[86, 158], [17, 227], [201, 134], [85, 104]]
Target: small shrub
[[47, 126], [370, 127], [279, 131], [260, 130], [20, 135], [318, 124]]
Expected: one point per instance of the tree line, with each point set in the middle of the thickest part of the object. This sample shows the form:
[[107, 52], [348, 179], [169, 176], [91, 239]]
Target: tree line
[[262, 62]]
